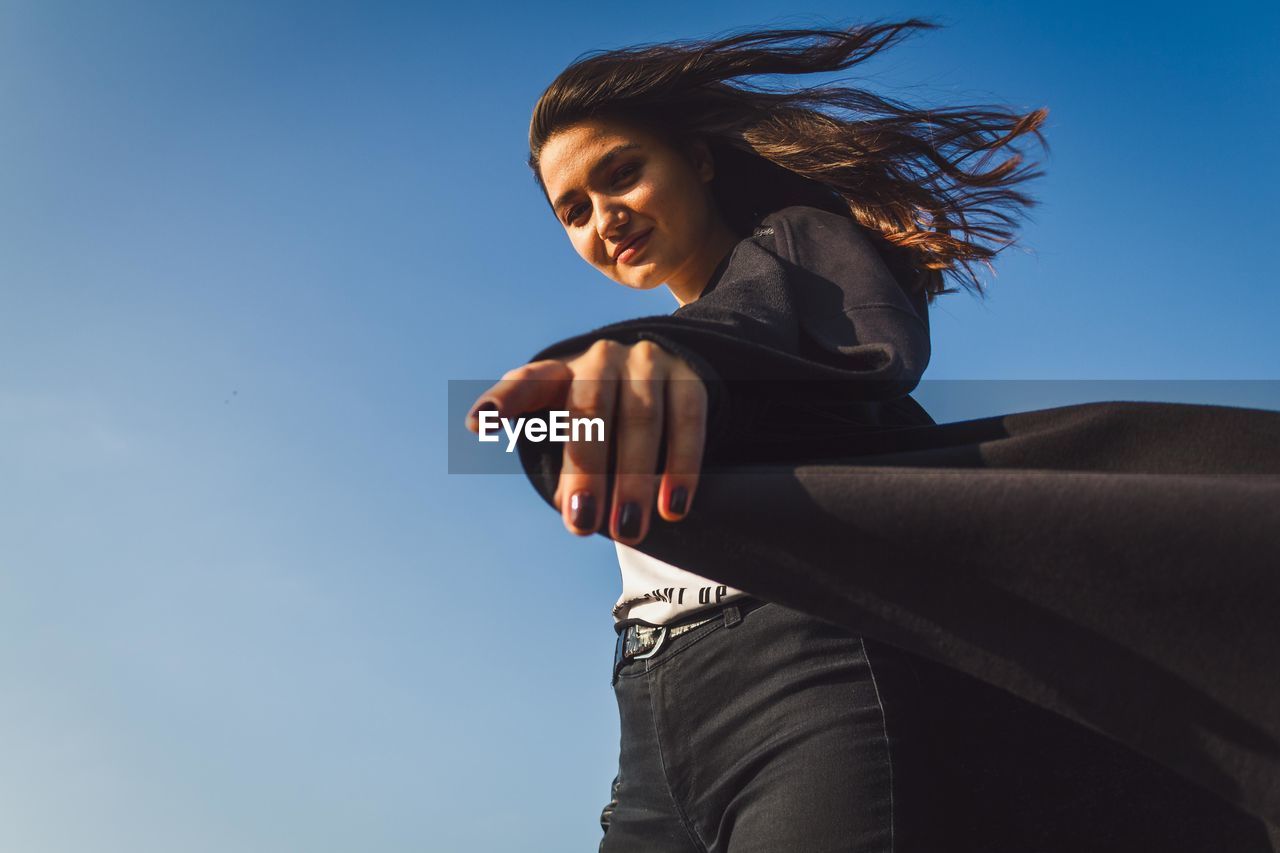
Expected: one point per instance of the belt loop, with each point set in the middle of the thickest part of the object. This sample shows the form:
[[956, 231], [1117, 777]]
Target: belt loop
[[732, 616]]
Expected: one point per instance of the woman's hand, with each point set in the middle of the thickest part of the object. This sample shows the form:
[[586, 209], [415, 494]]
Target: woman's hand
[[641, 392]]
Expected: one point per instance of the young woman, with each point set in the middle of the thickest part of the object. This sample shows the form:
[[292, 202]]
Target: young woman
[[803, 234]]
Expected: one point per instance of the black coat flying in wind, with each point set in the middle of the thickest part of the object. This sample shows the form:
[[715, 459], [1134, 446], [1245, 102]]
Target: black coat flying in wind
[[1117, 563]]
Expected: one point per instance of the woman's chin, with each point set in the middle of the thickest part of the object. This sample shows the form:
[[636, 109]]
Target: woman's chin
[[641, 279]]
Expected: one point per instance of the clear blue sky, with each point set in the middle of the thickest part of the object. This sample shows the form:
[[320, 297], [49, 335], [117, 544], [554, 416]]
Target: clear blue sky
[[244, 245]]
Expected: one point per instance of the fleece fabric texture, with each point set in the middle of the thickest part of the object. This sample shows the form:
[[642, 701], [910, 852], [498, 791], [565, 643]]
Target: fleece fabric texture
[[1117, 563]]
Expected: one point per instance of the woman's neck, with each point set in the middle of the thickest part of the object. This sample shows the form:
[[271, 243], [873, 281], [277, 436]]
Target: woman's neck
[[689, 285]]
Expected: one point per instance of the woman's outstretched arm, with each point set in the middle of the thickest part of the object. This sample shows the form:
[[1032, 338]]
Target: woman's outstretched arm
[[805, 313]]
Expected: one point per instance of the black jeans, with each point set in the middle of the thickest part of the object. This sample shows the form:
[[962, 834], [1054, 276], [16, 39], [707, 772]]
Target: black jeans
[[779, 732]]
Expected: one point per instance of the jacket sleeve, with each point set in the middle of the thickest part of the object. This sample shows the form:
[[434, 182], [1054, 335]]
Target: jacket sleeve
[[805, 314]]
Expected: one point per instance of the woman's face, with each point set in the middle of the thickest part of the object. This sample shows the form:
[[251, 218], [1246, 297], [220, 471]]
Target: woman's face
[[635, 208]]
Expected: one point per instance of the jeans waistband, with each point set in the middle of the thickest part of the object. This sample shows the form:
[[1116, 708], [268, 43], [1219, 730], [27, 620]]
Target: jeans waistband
[[644, 641]]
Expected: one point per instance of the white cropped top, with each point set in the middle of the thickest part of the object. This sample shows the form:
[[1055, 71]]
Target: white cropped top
[[655, 593]]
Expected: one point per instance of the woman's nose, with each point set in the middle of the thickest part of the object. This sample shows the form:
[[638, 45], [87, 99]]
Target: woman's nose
[[610, 218]]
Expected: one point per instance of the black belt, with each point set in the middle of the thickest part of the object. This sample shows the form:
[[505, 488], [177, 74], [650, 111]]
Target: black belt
[[636, 642]]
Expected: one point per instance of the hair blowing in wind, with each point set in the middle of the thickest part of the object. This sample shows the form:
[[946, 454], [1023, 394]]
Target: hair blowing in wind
[[938, 188]]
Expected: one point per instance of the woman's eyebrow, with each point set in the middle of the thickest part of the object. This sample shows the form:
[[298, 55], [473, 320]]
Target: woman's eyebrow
[[605, 160]]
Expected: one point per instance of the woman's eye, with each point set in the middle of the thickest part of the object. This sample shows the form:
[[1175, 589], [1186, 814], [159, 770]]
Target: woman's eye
[[625, 172], [574, 212]]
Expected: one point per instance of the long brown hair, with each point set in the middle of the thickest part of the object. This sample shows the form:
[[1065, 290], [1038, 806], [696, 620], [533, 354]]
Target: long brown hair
[[938, 188]]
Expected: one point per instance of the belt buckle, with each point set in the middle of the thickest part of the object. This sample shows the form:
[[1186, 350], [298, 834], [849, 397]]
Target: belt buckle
[[662, 635]]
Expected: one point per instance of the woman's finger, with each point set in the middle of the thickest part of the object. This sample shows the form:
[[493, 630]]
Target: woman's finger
[[638, 429], [533, 386], [591, 401], [686, 424]]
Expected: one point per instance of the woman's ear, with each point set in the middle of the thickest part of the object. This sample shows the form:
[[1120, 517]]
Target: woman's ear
[[700, 156]]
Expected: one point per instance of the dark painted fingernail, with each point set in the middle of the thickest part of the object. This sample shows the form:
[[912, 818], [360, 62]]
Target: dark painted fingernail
[[629, 520], [582, 510], [483, 406], [679, 500]]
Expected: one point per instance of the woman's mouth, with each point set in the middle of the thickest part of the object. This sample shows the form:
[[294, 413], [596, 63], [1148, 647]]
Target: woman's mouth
[[634, 248]]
